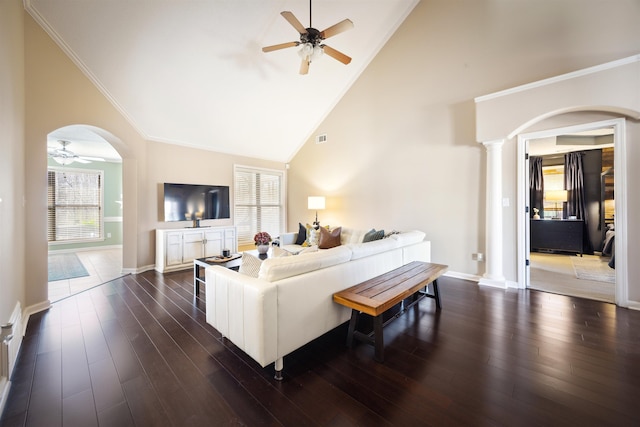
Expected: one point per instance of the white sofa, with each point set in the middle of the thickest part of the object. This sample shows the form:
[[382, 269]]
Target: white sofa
[[290, 303]]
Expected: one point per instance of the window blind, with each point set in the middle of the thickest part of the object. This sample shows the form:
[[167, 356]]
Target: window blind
[[74, 205], [258, 202]]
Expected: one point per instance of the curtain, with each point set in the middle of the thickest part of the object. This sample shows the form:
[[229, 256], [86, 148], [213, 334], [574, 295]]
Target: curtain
[[574, 184], [536, 186]]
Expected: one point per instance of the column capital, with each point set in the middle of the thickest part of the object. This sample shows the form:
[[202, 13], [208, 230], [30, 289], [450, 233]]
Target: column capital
[[496, 143]]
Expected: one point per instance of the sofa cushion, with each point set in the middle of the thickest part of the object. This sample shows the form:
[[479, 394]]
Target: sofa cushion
[[308, 249], [408, 237], [302, 234], [273, 269], [373, 235], [361, 250], [278, 252], [250, 265], [329, 239]]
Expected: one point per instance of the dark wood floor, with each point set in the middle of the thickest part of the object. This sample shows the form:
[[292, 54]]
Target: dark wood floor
[[137, 351]]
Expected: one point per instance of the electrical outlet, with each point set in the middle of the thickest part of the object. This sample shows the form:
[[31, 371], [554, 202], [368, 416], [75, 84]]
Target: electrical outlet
[[108, 235], [477, 257]]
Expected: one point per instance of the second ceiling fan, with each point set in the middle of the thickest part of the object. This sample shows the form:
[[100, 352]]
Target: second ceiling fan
[[311, 40]]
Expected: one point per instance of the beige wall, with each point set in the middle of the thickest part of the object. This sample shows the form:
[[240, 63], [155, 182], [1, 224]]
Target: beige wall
[[12, 211], [168, 163], [402, 150]]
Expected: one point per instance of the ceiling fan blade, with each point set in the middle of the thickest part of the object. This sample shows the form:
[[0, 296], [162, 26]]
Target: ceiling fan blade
[[336, 54], [294, 22], [280, 46], [337, 29], [92, 159], [304, 66], [80, 160]]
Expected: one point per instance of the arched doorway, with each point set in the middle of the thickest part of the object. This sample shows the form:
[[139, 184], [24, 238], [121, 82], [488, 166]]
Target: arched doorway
[[84, 210], [501, 117]]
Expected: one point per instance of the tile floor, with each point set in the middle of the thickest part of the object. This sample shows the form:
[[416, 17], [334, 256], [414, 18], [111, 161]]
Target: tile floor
[[102, 265]]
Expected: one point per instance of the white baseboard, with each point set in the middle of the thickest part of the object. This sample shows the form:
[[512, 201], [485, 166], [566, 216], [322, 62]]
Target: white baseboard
[[462, 276], [138, 270]]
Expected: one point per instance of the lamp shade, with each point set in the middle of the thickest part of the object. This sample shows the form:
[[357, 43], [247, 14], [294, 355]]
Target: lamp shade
[[316, 202], [556, 196]]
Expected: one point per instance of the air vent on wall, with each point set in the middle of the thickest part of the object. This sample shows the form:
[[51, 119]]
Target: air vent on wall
[[321, 139]]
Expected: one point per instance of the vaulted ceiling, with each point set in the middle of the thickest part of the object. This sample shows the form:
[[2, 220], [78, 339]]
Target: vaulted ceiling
[[193, 73]]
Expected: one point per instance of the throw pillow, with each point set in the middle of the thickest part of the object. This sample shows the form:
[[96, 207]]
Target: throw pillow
[[250, 265], [302, 234], [329, 239], [308, 229], [391, 233], [373, 235]]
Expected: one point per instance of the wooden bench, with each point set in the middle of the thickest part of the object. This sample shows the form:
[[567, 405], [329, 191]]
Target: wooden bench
[[377, 295]]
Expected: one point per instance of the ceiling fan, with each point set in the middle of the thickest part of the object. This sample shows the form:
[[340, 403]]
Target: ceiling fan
[[64, 157], [311, 40]]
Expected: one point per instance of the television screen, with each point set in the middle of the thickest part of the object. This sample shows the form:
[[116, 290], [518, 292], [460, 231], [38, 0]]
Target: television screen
[[186, 202]]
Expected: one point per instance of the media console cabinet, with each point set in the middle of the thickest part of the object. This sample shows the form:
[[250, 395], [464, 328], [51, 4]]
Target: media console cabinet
[[561, 235], [176, 248]]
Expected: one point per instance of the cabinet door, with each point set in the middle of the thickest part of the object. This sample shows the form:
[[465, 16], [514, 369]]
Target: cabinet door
[[213, 243], [230, 241], [174, 249], [192, 246]]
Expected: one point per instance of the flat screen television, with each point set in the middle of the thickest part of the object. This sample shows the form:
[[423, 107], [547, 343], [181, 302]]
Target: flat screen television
[[186, 202]]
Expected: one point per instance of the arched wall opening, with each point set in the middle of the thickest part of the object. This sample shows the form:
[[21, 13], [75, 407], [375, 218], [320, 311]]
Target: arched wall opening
[[80, 261], [612, 88]]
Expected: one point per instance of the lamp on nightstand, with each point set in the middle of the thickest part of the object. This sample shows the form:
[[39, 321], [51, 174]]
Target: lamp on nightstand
[[557, 196], [317, 203]]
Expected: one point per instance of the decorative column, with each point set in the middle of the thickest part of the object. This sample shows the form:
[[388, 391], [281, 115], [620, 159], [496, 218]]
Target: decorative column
[[493, 275]]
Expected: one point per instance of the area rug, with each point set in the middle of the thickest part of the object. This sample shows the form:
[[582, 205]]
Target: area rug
[[593, 268], [65, 266]]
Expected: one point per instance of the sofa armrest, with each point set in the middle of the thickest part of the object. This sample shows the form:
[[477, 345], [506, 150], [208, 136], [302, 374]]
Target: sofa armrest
[[288, 238], [244, 310]]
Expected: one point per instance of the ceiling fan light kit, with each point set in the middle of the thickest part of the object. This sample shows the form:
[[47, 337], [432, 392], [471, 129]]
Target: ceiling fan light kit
[[64, 157], [311, 41]]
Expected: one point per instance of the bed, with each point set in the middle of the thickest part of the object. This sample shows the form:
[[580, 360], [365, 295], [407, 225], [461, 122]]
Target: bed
[[609, 247]]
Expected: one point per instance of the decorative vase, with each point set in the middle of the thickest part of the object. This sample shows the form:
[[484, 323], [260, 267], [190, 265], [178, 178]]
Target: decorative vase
[[262, 249]]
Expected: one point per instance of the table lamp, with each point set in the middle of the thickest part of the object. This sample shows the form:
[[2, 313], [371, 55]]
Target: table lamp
[[317, 203]]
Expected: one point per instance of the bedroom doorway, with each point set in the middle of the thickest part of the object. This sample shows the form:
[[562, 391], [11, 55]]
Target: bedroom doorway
[[556, 260]]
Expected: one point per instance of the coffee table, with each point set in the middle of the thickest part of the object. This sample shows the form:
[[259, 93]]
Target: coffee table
[[200, 263]]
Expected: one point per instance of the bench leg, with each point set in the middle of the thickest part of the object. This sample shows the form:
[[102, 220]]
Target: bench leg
[[352, 327], [379, 338]]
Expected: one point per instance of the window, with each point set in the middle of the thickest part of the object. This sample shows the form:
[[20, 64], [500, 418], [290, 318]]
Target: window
[[553, 177], [258, 202], [74, 205]]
